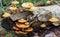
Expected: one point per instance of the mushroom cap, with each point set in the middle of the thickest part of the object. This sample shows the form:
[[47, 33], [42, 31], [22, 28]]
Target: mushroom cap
[[33, 9], [29, 29], [13, 8], [48, 2], [27, 23], [43, 25], [6, 14], [22, 25], [22, 20], [14, 27], [27, 5], [15, 2], [53, 20], [22, 32]]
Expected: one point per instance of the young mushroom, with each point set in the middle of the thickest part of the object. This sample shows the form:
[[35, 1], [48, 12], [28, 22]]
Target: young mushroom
[[32, 8], [15, 2], [27, 5], [48, 2], [15, 28], [13, 8], [42, 25], [23, 32], [22, 21], [6, 15], [22, 25], [53, 20], [29, 29]]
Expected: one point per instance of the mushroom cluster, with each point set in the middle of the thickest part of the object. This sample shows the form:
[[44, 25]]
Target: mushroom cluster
[[29, 6], [22, 26]]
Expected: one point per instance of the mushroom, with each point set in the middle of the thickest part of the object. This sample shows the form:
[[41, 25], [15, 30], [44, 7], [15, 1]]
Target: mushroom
[[48, 2], [23, 32], [22, 20], [43, 25], [15, 2], [22, 25], [29, 29], [14, 27], [27, 5], [6, 14], [27, 23], [13, 8], [32, 8], [53, 20]]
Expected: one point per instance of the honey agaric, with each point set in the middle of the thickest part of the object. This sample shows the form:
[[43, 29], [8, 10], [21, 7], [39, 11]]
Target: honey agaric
[[22, 26], [43, 25], [32, 8], [27, 5], [53, 20], [22, 21], [15, 2], [22, 32], [26, 23], [48, 2], [6, 14], [14, 27], [13, 8], [29, 29]]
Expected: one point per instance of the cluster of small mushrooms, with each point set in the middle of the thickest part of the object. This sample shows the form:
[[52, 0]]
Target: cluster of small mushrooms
[[23, 26]]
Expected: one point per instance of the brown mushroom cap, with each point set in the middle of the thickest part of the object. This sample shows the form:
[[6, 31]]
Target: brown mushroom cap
[[6, 14], [29, 29], [22, 26], [26, 23], [48, 2], [17, 23], [33, 8], [13, 8], [22, 32], [14, 27], [22, 20], [53, 20], [43, 25], [27, 5]]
